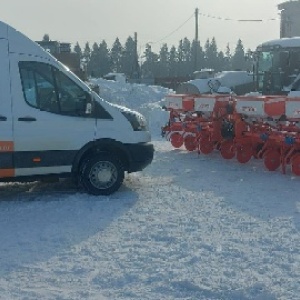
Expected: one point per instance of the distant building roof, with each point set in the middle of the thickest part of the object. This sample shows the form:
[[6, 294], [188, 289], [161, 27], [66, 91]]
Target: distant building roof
[[55, 47]]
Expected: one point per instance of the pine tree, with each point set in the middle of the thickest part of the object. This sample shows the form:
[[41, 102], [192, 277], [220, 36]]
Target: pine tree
[[163, 66], [187, 57], [197, 59], [180, 58], [221, 62], [46, 37], [238, 59], [212, 54], [149, 66], [173, 62], [129, 60], [87, 52], [94, 62], [116, 56], [104, 59], [77, 50], [227, 58]]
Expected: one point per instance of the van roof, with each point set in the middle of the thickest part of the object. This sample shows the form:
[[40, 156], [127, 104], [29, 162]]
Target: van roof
[[19, 43]]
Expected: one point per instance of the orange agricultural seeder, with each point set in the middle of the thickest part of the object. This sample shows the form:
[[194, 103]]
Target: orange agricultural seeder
[[264, 127]]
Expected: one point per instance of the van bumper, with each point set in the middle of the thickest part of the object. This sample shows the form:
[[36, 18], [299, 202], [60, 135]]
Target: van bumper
[[140, 156]]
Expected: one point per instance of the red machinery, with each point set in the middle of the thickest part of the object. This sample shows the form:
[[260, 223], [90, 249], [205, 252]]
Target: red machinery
[[265, 127]]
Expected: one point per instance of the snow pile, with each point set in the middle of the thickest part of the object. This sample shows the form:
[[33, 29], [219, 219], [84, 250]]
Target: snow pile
[[131, 95], [147, 100]]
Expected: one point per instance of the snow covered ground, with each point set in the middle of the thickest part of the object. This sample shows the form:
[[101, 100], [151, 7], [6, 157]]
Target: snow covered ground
[[187, 227]]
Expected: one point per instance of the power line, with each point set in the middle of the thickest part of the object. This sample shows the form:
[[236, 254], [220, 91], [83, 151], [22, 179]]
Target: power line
[[236, 20], [213, 17], [173, 30]]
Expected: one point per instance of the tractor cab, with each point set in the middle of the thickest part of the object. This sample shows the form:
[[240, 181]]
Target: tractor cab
[[277, 65]]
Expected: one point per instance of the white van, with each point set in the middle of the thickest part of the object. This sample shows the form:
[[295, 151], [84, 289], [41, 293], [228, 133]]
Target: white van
[[52, 124]]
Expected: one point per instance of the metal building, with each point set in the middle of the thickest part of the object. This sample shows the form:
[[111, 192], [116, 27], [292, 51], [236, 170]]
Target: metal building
[[290, 21]]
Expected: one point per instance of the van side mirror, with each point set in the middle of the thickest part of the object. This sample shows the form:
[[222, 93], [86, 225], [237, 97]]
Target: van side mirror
[[88, 103], [88, 109], [83, 105]]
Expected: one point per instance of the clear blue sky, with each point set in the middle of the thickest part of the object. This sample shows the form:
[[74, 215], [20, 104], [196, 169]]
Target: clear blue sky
[[156, 21]]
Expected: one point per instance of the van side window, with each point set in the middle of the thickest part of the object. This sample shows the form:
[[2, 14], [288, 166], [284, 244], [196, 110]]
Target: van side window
[[47, 88], [72, 98]]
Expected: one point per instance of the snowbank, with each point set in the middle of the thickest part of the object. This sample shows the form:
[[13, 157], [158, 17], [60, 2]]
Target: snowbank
[[145, 99]]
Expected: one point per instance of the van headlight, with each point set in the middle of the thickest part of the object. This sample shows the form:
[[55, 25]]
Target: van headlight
[[137, 120]]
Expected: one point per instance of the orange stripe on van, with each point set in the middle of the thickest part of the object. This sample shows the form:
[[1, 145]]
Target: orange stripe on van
[[6, 146], [7, 173]]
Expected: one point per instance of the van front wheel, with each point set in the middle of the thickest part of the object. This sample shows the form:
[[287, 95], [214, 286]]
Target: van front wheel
[[102, 174]]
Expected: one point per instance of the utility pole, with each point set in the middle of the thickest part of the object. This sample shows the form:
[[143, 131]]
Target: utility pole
[[136, 67], [196, 24], [196, 38]]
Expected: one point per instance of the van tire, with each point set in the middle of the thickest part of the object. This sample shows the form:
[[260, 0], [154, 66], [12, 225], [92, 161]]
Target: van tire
[[103, 174]]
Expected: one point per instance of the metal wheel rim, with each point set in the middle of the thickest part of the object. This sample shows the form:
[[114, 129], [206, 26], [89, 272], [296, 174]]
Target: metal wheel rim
[[103, 175]]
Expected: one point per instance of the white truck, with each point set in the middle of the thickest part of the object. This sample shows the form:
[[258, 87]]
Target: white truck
[[53, 125]]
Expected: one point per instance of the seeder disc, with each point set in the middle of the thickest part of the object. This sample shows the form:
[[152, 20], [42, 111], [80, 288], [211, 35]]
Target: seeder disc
[[190, 143], [227, 150], [206, 146], [296, 164], [244, 154], [176, 140], [272, 160]]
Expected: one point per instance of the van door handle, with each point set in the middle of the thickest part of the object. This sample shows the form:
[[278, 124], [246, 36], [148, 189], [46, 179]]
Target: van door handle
[[27, 119], [2, 118]]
